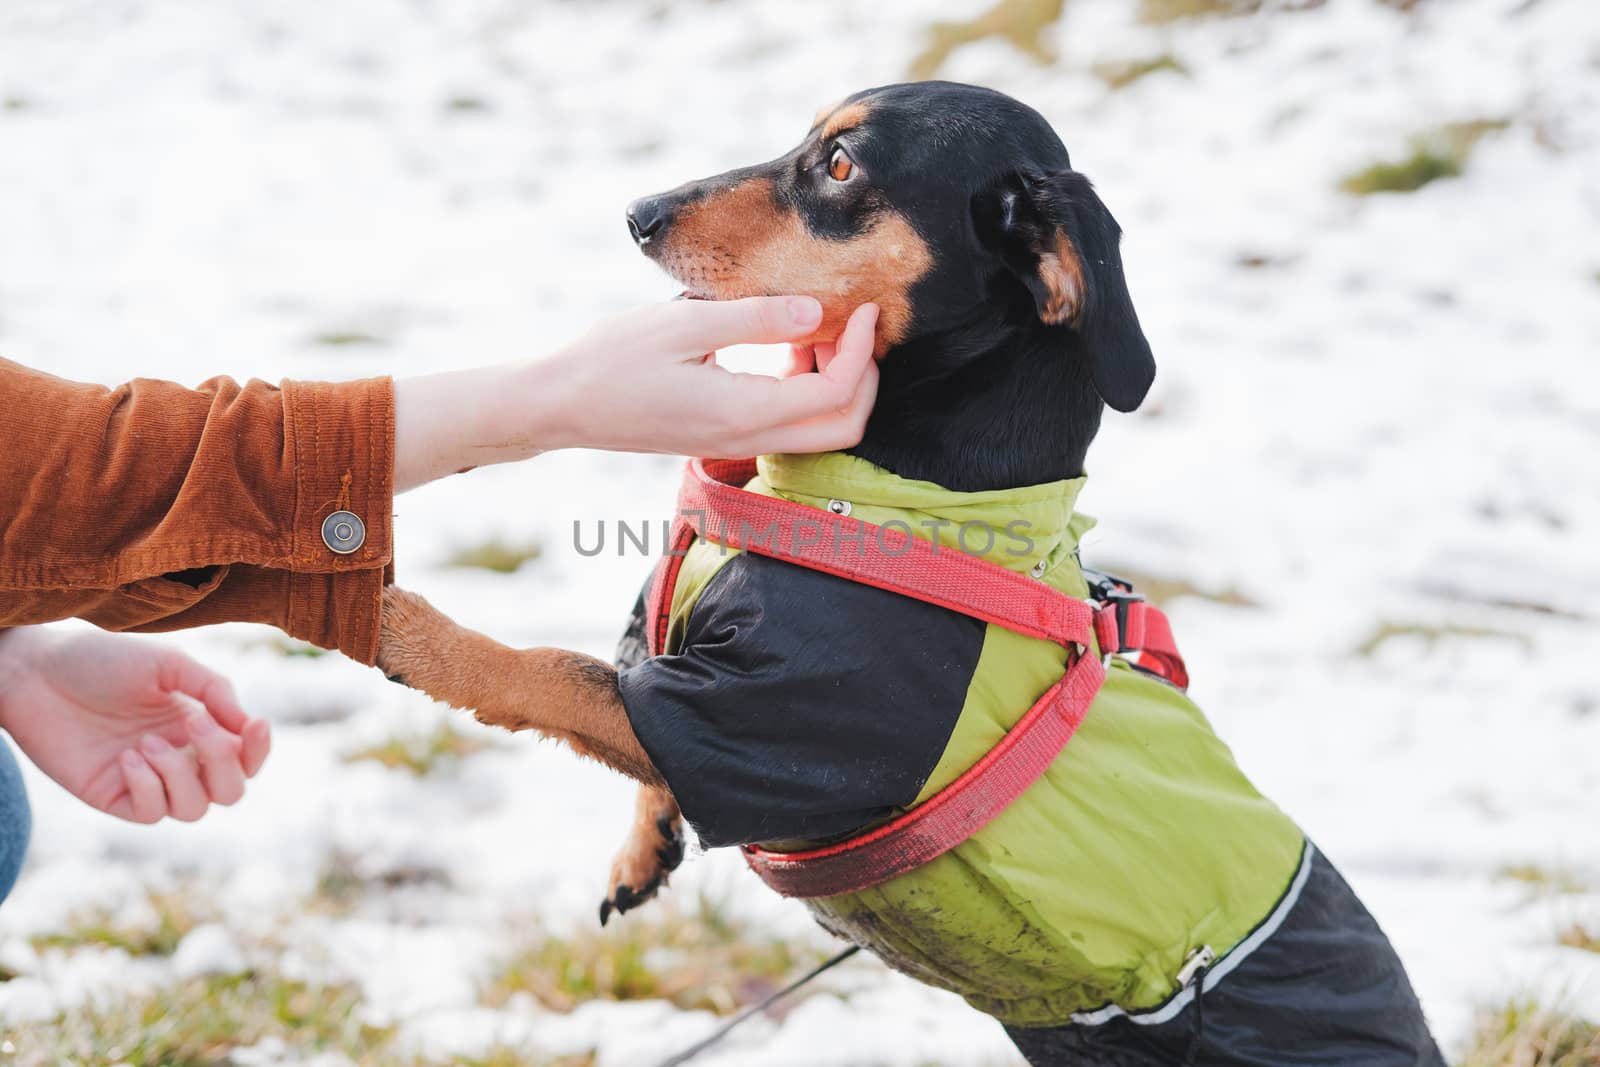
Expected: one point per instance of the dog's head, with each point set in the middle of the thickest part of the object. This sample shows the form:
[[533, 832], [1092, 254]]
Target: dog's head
[[939, 202]]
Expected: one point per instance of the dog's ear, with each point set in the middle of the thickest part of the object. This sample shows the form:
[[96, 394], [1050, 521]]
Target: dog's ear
[[1056, 236]]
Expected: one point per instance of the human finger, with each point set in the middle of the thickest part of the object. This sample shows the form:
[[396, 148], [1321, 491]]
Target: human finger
[[186, 797], [699, 326], [180, 674], [802, 360], [221, 768], [256, 742], [146, 801], [834, 389], [831, 432]]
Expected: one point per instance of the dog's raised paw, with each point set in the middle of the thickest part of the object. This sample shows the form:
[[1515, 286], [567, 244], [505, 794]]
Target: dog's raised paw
[[652, 852], [624, 899]]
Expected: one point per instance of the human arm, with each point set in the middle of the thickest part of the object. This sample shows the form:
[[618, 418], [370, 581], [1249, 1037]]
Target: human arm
[[642, 382], [155, 507]]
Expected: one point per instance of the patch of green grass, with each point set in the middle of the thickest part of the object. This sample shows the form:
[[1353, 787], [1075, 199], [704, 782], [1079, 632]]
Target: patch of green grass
[[200, 1022], [1431, 633], [1162, 589], [347, 339], [1578, 935], [467, 105], [1405, 175], [424, 753], [292, 648], [1543, 879], [16, 103], [700, 961], [1119, 74], [1436, 154], [1021, 22], [176, 914], [496, 555], [1525, 1034]]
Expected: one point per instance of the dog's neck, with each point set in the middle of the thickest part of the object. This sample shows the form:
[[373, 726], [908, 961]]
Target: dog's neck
[[984, 406]]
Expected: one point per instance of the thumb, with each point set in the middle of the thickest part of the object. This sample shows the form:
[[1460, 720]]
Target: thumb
[[698, 326]]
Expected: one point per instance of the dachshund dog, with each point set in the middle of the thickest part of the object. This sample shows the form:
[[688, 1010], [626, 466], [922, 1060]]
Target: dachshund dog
[[1006, 327]]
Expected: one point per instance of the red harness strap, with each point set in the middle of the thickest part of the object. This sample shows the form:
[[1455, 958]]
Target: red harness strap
[[713, 505]]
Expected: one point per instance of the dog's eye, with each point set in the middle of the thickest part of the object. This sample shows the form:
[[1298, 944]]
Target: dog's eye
[[840, 168]]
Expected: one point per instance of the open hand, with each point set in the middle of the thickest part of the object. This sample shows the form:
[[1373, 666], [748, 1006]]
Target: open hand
[[130, 727]]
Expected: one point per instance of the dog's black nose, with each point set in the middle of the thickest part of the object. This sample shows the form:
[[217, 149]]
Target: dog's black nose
[[646, 217]]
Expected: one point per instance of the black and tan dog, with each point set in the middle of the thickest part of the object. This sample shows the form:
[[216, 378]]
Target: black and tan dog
[[802, 707]]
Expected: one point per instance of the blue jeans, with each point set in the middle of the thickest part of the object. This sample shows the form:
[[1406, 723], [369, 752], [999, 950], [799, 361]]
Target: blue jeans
[[15, 819]]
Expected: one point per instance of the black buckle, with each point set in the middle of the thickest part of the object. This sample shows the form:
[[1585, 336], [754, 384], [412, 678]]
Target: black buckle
[[1119, 593]]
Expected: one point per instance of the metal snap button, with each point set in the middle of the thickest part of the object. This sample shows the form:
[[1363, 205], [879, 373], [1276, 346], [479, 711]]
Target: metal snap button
[[839, 507], [1038, 569], [343, 532]]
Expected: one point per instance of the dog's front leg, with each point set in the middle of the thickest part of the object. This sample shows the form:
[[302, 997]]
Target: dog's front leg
[[653, 850], [562, 694]]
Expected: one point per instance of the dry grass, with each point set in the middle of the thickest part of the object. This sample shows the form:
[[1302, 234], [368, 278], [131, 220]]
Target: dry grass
[[700, 961], [200, 1023], [1524, 1034], [1119, 74], [343, 882], [1431, 633], [175, 914], [499, 1056], [1021, 22], [425, 753], [1544, 879], [1579, 935], [495, 555], [1438, 153], [1157, 12]]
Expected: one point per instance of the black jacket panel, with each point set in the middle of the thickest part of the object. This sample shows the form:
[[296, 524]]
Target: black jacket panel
[[802, 706]]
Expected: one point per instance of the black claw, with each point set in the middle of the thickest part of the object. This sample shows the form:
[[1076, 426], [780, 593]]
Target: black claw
[[671, 853], [396, 679], [605, 911]]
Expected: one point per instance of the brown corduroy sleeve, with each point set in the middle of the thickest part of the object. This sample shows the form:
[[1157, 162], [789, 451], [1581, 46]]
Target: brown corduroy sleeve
[[155, 507]]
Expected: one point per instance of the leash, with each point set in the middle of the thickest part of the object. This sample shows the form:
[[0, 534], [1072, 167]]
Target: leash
[[756, 1009]]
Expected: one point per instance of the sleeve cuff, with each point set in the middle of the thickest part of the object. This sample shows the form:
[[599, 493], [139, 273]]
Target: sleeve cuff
[[341, 441]]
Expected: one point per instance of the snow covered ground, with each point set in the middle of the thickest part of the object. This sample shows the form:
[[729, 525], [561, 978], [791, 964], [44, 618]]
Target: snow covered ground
[[1377, 419]]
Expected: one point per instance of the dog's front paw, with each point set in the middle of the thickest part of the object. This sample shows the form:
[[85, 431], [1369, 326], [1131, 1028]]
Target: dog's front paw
[[651, 853], [408, 636]]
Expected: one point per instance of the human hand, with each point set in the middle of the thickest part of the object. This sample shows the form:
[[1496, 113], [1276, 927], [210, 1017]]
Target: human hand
[[130, 727], [648, 381]]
